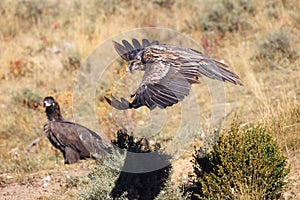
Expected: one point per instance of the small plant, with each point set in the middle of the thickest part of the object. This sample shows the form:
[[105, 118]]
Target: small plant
[[173, 192], [35, 10], [100, 184], [75, 181], [276, 50], [227, 16], [19, 68], [26, 164], [71, 60], [26, 97], [245, 163], [164, 3]]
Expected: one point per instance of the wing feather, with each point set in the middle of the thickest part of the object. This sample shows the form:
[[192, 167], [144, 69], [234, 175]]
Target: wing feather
[[162, 88], [191, 62], [122, 51], [128, 52], [136, 44], [145, 42], [127, 45]]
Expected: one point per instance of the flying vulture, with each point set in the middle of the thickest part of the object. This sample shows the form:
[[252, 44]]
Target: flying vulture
[[169, 73], [73, 140]]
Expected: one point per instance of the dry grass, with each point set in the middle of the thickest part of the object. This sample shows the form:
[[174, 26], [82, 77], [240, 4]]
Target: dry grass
[[43, 38]]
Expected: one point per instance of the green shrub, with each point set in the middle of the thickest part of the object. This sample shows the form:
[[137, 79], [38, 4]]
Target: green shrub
[[276, 50], [164, 3], [227, 16], [173, 192], [35, 10], [26, 97], [26, 163], [273, 8], [100, 184], [71, 60], [245, 163]]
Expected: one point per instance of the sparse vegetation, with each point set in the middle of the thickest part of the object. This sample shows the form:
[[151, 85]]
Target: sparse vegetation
[[27, 98], [286, 125], [276, 51], [227, 16], [71, 60], [101, 183], [245, 163]]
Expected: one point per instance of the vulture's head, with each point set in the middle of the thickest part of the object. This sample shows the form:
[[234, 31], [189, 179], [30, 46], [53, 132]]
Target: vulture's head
[[137, 63], [49, 102], [52, 109]]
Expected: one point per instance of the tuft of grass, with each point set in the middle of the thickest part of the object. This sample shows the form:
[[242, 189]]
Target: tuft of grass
[[245, 163], [276, 51], [19, 68], [164, 3], [71, 60], [75, 181], [23, 163], [227, 16], [35, 10], [173, 192], [287, 126], [27, 98]]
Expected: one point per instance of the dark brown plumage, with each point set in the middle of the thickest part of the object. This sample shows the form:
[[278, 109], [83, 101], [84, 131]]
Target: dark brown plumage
[[169, 73], [73, 140]]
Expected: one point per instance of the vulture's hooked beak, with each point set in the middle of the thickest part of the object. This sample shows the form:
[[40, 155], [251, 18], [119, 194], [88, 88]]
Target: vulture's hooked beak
[[129, 68], [47, 104]]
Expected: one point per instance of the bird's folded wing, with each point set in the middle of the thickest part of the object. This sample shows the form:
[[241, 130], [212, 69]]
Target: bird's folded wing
[[67, 135]]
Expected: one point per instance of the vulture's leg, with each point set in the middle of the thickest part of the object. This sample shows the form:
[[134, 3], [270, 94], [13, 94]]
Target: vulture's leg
[[71, 156]]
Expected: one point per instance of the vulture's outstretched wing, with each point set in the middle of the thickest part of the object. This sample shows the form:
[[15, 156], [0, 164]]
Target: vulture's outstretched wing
[[169, 73], [190, 63]]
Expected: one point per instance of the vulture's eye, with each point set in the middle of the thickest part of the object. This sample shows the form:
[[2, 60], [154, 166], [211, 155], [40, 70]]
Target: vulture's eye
[[139, 57]]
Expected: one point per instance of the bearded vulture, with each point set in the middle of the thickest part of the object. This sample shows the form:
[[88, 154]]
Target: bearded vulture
[[169, 73], [73, 140]]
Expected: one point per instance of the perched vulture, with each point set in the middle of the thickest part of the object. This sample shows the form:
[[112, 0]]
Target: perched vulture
[[169, 73], [73, 140]]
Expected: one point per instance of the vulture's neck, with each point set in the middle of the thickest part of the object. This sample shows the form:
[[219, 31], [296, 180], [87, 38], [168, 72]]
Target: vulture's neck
[[53, 113]]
